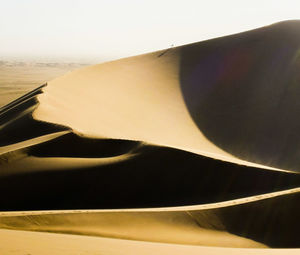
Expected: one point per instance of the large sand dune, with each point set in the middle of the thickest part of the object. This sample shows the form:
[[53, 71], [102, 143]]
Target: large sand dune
[[193, 146]]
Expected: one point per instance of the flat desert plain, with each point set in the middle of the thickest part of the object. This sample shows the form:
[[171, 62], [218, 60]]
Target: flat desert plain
[[18, 77]]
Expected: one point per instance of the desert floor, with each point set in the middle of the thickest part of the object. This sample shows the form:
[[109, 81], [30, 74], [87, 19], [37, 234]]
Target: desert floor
[[20, 77]]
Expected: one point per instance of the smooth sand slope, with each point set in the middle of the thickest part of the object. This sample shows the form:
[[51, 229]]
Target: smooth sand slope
[[175, 150], [20, 242], [237, 94]]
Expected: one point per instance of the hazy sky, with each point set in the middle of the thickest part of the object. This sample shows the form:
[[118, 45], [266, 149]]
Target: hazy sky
[[111, 29]]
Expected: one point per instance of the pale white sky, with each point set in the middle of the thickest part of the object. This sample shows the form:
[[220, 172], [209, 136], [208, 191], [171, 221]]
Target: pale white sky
[[102, 30]]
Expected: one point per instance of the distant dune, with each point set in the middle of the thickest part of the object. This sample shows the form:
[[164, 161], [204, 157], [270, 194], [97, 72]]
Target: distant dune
[[19, 77], [188, 148]]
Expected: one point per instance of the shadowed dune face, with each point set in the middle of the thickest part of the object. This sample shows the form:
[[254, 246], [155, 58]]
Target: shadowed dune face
[[273, 222], [72, 172], [243, 93]]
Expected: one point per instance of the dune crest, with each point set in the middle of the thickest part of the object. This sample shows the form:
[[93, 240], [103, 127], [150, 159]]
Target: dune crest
[[149, 98]]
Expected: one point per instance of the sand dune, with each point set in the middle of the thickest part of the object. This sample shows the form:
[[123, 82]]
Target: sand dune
[[179, 149], [206, 225], [158, 98]]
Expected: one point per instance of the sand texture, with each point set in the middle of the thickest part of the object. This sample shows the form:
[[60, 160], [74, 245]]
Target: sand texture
[[189, 150]]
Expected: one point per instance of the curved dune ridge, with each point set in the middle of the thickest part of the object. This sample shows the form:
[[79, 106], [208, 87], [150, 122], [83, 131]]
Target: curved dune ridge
[[184, 148]]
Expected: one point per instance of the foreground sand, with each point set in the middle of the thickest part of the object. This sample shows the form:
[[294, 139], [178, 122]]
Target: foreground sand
[[33, 243], [270, 219], [167, 152]]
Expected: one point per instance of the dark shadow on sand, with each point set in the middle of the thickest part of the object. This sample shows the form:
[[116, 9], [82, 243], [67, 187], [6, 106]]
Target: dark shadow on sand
[[243, 92], [153, 177]]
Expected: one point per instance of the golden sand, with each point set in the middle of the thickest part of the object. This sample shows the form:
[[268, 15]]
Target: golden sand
[[111, 159]]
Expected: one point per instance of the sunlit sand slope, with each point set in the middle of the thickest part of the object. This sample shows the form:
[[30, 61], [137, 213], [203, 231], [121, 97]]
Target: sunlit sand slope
[[237, 94], [194, 146], [23, 242]]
